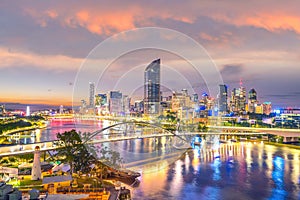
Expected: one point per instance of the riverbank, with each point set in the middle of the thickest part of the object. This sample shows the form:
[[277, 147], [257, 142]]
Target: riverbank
[[29, 128]]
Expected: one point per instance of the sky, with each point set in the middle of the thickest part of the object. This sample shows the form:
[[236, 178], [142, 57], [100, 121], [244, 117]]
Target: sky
[[44, 44]]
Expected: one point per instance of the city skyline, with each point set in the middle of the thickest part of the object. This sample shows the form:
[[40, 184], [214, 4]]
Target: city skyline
[[43, 45]]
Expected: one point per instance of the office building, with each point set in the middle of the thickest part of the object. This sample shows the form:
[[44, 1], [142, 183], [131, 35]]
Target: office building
[[152, 88], [92, 95], [126, 104], [115, 102], [139, 106], [222, 100], [242, 99], [252, 100], [238, 100], [259, 109], [267, 108]]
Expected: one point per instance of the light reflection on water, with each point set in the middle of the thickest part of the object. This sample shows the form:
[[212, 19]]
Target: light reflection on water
[[235, 171], [223, 171]]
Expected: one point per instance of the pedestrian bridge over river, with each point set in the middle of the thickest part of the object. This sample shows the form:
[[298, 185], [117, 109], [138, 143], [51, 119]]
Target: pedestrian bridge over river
[[127, 131]]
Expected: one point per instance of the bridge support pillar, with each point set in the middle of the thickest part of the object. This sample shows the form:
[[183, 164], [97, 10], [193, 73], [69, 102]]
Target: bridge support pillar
[[295, 139], [290, 139]]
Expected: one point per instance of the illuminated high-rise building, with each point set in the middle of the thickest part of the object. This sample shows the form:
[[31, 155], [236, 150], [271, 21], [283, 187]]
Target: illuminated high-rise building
[[92, 95], [267, 108], [139, 106], [180, 100], [259, 109], [223, 95], [242, 99], [115, 102], [126, 104], [252, 100], [252, 95], [152, 88], [238, 100], [234, 101]]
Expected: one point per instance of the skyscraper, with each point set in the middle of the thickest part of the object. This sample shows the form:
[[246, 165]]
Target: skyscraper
[[92, 95], [252, 100], [252, 95], [234, 102], [242, 100], [152, 88], [126, 104], [223, 95], [267, 108], [238, 100], [115, 102]]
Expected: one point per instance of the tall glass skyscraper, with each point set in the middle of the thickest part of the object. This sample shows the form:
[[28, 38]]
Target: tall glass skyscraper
[[223, 95], [152, 88], [252, 101], [238, 100], [252, 95]]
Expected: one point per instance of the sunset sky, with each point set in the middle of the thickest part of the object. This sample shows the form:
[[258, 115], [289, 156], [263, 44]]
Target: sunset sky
[[44, 43]]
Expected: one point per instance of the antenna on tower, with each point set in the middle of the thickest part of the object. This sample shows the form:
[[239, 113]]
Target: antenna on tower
[[241, 82]]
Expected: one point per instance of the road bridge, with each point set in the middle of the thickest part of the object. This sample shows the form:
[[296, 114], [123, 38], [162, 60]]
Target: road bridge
[[289, 135]]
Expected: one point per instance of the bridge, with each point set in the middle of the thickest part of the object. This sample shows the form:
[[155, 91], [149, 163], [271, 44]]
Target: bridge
[[50, 145], [289, 135], [122, 135]]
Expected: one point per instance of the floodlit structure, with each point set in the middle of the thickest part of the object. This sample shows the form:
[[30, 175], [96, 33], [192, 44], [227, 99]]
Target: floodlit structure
[[36, 172]]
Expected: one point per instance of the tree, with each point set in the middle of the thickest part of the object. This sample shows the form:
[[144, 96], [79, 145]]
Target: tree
[[202, 127], [74, 152], [171, 116], [111, 158]]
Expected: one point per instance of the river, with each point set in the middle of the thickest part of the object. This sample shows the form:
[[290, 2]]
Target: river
[[249, 170]]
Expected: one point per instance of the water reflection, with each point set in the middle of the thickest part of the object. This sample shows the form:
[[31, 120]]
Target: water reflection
[[278, 191], [233, 171], [219, 171]]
